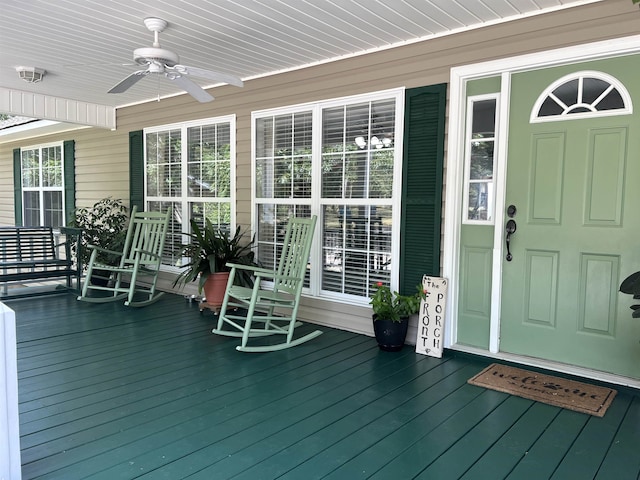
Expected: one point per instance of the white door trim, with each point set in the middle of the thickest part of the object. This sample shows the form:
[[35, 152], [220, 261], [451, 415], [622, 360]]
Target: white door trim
[[454, 166]]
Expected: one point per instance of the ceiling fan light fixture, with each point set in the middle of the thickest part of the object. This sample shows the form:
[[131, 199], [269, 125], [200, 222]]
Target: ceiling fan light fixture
[[31, 74]]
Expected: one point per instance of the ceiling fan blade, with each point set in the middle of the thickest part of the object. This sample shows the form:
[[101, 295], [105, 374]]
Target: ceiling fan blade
[[211, 75], [128, 82], [190, 87]]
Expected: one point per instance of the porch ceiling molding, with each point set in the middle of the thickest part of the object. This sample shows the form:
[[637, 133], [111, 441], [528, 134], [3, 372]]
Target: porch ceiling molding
[[47, 107]]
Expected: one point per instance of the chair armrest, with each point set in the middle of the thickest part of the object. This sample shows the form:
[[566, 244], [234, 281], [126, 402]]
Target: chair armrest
[[104, 250], [263, 272], [253, 268], [71, 231], [146, 252]]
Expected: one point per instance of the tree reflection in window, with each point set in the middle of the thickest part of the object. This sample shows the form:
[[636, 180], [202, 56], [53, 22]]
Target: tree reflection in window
[[480, 156]]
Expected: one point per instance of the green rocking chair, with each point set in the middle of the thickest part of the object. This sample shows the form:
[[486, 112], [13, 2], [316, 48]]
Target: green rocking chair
[[141, 256], [265, 307]]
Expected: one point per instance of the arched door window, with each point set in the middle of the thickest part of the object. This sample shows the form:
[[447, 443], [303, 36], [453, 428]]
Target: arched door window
[[581, 95]]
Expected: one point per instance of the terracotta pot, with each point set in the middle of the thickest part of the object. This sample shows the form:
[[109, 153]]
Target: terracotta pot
[[214, 288], [389, 334]]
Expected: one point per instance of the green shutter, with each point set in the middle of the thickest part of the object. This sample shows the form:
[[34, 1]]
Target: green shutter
[[423, 163], [17, 186], [69, 151], [136, 169]]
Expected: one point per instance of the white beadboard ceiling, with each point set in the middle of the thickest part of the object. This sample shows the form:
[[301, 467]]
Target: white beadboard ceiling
[[84, 45]]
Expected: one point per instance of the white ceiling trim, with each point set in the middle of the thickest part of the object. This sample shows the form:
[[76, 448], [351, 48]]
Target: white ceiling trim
[[33, 130], [47, 107]]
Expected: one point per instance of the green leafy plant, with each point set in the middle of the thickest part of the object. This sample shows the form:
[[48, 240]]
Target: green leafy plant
[[104, 225], [209, 252], [631, 286], [392, 306]]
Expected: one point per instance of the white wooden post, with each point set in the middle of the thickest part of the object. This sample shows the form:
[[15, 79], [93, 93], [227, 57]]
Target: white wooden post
[[9, 422], [430, 335]]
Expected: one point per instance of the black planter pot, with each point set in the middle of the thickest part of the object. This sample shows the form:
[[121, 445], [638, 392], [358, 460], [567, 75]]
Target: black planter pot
[[390, 335]]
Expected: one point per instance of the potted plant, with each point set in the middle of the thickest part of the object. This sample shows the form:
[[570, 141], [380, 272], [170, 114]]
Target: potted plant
[[391, 312], [208, 254], [104, 225]]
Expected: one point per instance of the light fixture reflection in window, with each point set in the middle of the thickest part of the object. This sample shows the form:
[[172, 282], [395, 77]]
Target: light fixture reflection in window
[[375, 142]]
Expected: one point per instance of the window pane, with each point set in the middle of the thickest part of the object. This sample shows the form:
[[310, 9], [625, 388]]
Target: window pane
[[264, 137], [550, 108], [177, 225], [30, 168], [53, 213], [479, 195], [481, 160], [484, 119], [356, 242], [356, 173], [383, 123], [592, 88], [272, 225], [52, 167], [219, 214], [332, 168], [287, 172], [357, 150], [381, 174], [163, 164], [264, 178], [209, 161], [612, 101], [567, 93], [333, 130], [31, 209]]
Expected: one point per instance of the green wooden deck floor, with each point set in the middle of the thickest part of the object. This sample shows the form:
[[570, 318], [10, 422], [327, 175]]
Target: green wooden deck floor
[[110, 392]]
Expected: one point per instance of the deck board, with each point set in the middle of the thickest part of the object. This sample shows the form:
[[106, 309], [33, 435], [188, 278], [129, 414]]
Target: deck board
[[110, 392]]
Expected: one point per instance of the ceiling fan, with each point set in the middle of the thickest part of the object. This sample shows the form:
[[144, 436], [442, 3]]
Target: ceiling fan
[[167, 63]]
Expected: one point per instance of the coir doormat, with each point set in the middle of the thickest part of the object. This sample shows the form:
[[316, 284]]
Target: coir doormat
[[556, 391]]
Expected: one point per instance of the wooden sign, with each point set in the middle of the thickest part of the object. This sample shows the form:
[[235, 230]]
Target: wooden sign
[[430, 336]]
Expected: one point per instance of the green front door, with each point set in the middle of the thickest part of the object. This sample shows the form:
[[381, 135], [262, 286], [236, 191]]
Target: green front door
[[575, 186]]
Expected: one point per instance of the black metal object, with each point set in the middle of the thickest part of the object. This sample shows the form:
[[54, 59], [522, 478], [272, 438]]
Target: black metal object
[[510, 228]]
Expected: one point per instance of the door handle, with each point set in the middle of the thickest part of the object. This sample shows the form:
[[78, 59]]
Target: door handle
[[510, 229]]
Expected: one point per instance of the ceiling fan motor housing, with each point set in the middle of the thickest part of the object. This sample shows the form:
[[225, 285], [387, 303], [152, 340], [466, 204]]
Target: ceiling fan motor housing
[[148, 55]]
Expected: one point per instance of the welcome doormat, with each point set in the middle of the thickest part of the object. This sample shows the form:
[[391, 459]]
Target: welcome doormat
[[556, 391]]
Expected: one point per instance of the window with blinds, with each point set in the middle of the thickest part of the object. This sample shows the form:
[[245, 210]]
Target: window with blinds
[[340, 161], [188, 170], [43, 186]]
